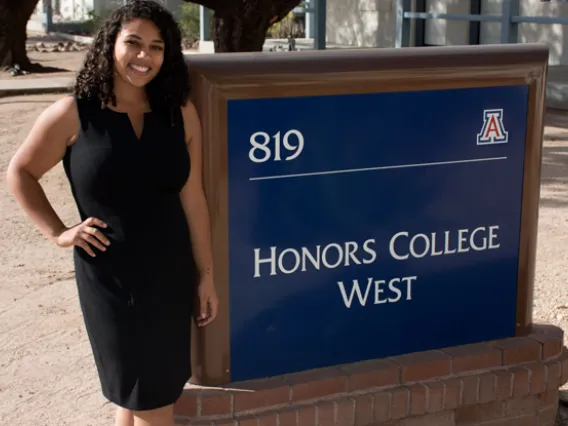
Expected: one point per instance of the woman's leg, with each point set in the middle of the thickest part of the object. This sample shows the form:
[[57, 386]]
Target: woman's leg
[[124, 417], [160, 417]]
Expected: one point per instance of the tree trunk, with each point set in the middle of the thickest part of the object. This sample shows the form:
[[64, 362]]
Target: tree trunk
[[240, 33], [14, 16], [241, 25]]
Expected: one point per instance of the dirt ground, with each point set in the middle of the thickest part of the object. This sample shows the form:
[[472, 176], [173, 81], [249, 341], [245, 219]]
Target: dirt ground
[[48, 375], [47, 372], [57, 63]]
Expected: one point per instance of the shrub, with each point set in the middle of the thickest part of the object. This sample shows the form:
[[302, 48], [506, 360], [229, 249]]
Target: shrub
[[189, 21]]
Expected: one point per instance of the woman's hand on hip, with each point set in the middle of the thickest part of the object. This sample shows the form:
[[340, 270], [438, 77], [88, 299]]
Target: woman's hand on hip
[[84, 235]]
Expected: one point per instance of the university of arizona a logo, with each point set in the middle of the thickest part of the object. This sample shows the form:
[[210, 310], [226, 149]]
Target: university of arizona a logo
[[493, 130]]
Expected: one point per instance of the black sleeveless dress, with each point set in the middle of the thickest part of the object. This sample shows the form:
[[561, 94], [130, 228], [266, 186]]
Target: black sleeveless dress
[[137, 297]]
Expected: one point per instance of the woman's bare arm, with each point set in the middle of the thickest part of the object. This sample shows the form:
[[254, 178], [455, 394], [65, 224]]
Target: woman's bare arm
[[197, 213], [43, 148], [193, 197]]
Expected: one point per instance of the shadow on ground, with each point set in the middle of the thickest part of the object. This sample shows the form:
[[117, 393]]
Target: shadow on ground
[[562, 416], [18, 101], [556, 118]]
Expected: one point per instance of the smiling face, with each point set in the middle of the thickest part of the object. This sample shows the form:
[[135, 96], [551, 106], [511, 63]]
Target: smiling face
[[138, 52]]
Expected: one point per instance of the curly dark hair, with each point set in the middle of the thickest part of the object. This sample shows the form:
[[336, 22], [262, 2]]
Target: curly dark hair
[[168, 90]]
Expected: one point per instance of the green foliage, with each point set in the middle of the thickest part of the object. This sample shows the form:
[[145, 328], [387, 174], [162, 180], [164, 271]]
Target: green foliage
[[189, 20], [287, 27], [94, 20]]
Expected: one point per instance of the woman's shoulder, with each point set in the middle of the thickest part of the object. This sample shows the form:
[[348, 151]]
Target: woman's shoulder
[[191, 122], [62, 112], [67, 105], [189, 111]]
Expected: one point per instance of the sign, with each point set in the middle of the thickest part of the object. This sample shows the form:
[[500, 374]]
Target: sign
[[371, 225]]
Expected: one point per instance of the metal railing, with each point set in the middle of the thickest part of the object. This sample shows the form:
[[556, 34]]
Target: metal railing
[[509, 19]]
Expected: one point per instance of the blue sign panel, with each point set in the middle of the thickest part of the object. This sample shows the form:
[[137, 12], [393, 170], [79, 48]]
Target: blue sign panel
[[366, 226]]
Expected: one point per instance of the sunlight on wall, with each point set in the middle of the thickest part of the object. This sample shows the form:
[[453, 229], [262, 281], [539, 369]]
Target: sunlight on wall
[[361, 23], [372, 23], [441, 32]]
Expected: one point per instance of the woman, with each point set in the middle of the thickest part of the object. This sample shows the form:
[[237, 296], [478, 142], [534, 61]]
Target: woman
[[130, 142]]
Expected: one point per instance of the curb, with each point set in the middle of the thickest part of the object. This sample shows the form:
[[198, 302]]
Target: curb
[[34, 91], [72, 37], [35, 86], [557, 96]]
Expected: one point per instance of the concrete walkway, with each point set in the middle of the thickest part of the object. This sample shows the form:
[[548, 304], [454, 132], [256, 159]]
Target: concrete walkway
[[28, 86]]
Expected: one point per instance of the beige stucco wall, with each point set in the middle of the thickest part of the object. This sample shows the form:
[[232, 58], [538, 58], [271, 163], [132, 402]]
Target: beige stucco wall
[[361, 23], [372, 23], [556, 36], [442, 32]]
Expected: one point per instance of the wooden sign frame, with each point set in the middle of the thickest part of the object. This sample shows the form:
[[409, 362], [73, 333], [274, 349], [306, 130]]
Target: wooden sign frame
[[221, 77]]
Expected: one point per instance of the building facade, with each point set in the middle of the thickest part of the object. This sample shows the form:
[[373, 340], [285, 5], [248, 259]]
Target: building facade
[[83, 10], [372, 23]]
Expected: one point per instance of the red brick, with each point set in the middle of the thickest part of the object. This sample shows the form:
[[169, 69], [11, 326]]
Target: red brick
[[519, 350], [554, 375], [437, 419], [400, 399], [288, 417], [372, 374], [307, 416], [564, 360], [435, 397], [423, 366], [479, 413], [521, 381], [248, 421], [551, 345], [527, 406], [187, 405], [470, 390], [345, 412], [418, 399], [364, 410], [382, 406], [216, 403], [548, 416], [325, 414], [517, 421], [473, 357], [253, 400], [503, 385], [317, 384], [547, 330], [537, 378], [487, 388], [268, 419], [548, 399], [452, 394], [226, 423]]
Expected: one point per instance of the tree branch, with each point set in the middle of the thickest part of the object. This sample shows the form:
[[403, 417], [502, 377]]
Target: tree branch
[[210, 4], [282, 8]]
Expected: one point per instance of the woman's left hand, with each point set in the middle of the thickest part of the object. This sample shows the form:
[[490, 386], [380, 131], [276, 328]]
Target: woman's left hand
[[208, 302]]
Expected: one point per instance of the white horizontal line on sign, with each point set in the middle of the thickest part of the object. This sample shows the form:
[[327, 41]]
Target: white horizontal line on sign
[[370, 169]]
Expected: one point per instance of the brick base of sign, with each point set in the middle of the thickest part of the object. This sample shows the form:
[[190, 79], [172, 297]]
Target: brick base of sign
[[512, 382]]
